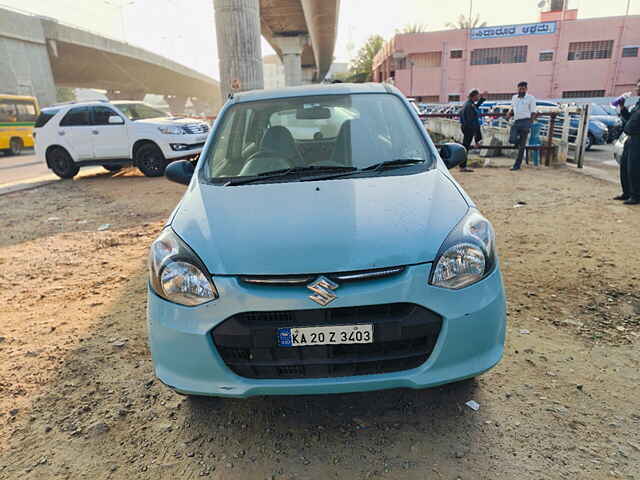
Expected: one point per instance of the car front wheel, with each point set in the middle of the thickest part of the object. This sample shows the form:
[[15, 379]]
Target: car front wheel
[[62, 164], [150, 160], [590, 141]]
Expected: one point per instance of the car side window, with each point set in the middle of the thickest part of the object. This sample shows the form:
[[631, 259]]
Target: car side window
[[101, 116], [76, 117]]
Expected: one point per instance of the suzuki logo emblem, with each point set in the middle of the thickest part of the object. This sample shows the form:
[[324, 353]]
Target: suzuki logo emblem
[[323, 289]]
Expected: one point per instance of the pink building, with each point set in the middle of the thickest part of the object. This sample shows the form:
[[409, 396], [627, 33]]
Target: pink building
[[560, 56]]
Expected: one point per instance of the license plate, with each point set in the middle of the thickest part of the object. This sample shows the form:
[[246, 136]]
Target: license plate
[[333, 335]]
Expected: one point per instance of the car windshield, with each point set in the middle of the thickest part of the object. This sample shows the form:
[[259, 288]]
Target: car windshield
[[140, 111], [339, 132]]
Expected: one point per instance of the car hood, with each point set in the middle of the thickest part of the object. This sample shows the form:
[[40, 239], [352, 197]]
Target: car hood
[[320, 227]]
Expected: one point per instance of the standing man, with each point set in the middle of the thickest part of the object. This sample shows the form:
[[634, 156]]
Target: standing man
[[470, 122], [630, 161], [523, 111]]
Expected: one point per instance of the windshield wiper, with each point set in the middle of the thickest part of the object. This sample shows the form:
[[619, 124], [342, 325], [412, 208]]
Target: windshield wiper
[[287, 171], [404, 162], [397, 163]]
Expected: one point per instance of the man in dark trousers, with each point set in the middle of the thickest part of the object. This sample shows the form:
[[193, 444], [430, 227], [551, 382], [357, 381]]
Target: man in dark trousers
[[470, 123], [630, 160], [523, 111]]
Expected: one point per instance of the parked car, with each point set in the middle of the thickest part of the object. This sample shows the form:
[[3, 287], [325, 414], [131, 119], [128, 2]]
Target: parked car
[[348, 262], [602, 114], [618, 147], [114, 135]]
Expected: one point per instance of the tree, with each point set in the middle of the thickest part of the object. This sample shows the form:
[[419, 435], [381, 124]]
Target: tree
[[464, 22], [64, 94], [412, 28], [361, 68]]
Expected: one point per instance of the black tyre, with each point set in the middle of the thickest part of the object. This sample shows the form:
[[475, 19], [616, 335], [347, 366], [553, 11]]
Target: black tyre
[[150, 160], [15, 146], [61, 163], [112, 168], [590, 141]]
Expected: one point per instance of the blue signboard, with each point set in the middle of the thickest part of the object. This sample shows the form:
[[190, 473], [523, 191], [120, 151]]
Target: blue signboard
[[505, 31]]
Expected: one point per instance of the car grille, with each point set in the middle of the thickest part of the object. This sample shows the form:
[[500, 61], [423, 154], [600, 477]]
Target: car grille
[[194, 128], [293, 280], [404, 336]]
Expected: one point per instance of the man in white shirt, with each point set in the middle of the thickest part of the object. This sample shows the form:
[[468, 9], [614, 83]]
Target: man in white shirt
[[523, 111]]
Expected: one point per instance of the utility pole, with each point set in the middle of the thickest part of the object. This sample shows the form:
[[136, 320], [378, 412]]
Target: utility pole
[[239, 52]]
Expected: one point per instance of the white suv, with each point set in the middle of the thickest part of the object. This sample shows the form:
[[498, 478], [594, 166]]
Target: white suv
[[113, 135]]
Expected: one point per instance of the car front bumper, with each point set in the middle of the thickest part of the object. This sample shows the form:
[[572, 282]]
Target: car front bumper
[[470, 342], [193, 144]]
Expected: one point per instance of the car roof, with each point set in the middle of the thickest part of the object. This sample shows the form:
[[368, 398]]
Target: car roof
[[310, 90]]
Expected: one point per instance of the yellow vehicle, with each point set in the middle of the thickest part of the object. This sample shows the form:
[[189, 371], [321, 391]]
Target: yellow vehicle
[[17, 117]]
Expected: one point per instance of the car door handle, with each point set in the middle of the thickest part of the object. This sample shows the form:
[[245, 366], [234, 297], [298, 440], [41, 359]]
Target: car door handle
[[95, 132], [62, 133]]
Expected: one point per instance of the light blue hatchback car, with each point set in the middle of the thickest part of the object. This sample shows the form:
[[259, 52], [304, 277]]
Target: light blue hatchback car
[[322, 247]]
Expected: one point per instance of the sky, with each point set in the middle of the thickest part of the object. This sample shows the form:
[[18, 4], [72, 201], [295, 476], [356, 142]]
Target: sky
[[184, 30]]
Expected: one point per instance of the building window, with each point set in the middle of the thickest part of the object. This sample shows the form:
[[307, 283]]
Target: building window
[[590, 50], [431, 99], [454, 98], [546, 56], [630, 51], [425, 60], [583, 93], [456, 53], [493, 56]]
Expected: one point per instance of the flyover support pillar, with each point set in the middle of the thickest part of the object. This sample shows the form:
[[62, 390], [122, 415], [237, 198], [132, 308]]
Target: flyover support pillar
[[291, 48], [307, 75], [239, 52]]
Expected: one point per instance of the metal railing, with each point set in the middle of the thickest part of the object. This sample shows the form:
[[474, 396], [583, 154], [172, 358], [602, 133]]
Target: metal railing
[[563, 131]]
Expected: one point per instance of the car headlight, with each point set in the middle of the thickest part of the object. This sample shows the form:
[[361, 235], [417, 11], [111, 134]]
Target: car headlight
[[601, 126], [171, 130], [467, 255], [177, 274]]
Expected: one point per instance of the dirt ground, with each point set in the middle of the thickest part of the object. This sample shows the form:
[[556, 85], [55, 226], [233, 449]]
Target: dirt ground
[[78, 398]]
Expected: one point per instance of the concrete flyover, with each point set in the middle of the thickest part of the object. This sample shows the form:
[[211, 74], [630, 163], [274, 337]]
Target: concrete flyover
[[37, 54], [302, 32]]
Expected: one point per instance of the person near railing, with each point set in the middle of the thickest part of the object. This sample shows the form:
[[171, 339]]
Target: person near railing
[[630, 160], [470, 122], [523, 111]]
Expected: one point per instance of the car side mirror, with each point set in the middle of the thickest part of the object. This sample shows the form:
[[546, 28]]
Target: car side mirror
[[453, 154], [180, 172], [116, 120]]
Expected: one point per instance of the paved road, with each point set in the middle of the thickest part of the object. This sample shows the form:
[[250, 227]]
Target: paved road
[[601, 155], [22, 167]]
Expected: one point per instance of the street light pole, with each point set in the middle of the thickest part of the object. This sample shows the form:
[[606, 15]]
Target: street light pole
[[121, 7]]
